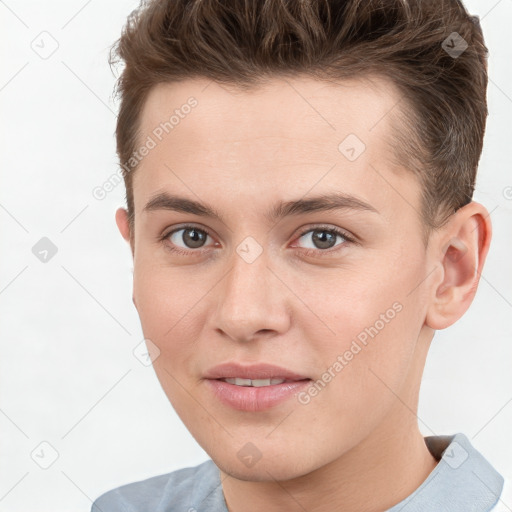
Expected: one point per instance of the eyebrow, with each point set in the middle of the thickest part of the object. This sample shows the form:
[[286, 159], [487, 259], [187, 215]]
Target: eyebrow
[[321, 203]]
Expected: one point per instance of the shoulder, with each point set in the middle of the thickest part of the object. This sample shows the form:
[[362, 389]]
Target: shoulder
[[187, 489]]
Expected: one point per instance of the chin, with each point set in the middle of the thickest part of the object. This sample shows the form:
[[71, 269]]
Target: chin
[[269, 468]]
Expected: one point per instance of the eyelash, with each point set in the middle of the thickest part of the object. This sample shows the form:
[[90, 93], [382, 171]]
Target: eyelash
[[307, 252]]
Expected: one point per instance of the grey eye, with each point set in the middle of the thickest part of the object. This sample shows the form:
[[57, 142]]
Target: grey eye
[[322, 238], [193, 238]]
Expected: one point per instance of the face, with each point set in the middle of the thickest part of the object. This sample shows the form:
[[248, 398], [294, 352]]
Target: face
[[304, 264]]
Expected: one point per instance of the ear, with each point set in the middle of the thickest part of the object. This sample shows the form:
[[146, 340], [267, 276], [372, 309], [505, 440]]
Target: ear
[[124, 228], [461, 248], [122, 223]]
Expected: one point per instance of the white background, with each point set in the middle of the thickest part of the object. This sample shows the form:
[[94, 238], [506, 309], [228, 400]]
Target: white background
[[68, 326]]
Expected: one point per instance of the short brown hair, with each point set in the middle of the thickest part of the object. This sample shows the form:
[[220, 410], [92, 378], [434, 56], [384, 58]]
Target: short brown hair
[[247, 42]]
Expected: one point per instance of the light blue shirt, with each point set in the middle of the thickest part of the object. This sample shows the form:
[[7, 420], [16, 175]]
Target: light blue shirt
[[462, 481]]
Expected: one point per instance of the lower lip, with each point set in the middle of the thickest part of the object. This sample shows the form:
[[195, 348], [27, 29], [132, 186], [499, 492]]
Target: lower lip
[[250, 398]]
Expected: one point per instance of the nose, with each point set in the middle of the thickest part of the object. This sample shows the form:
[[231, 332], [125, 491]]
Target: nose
[[253, 302]]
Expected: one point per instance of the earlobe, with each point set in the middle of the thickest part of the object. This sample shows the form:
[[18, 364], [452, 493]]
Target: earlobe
[[463, 245], [122, 223]]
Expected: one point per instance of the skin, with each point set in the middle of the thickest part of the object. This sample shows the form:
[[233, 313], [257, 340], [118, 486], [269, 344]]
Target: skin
[[357, 443]]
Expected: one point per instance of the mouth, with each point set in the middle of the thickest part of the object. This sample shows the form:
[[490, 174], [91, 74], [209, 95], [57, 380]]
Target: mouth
[[253, 388]]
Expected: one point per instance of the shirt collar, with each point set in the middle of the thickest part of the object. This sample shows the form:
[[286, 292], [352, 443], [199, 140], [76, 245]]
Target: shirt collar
[[462, 481]]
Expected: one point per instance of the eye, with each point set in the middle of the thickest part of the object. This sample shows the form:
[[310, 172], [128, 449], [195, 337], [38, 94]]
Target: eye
[[190, 238], [323, 239]]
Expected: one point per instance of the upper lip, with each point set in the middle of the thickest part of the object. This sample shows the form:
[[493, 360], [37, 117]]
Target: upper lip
[[251, 371]]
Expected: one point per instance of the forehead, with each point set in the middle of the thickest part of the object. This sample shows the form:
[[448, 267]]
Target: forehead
[[299, 109], [287, 132]]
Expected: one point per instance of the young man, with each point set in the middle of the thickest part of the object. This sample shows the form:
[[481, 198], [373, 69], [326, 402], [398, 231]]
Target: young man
[[299, 177]]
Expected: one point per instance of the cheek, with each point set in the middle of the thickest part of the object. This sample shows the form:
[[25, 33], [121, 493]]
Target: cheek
[[167, 303], [363, 304], [374, 321]]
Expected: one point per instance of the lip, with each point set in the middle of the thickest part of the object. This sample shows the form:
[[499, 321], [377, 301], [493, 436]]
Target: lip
[[249, 398], [252, 371]]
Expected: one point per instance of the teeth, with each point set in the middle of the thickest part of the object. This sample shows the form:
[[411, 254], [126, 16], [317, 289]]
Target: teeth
[[254, 382]]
